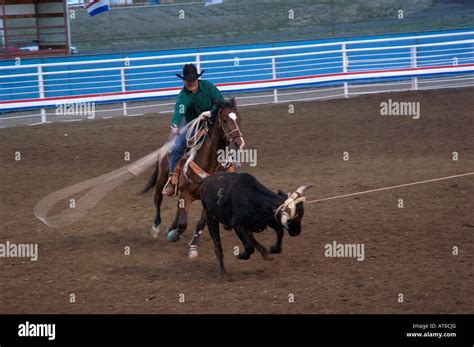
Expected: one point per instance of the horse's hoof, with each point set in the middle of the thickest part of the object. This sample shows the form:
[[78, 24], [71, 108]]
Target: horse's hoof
[[155, 231], [192, 253], [173, 235]]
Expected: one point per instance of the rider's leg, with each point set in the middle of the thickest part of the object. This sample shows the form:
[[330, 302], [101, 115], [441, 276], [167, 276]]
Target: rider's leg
[[175, 156]]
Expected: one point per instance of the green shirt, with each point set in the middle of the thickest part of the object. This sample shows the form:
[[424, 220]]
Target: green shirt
[[189, 105]]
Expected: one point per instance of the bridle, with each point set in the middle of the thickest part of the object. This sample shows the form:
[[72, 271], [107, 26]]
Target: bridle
[[234, 133]]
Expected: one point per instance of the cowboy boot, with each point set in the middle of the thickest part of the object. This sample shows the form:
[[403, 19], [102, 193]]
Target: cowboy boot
[[170, 188]]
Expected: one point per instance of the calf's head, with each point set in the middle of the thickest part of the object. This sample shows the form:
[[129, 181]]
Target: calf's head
[[291, 212]]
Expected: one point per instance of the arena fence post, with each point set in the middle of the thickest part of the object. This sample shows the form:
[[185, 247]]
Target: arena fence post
[[198, 62], [41, 91], [124, 89], [274, 76], [345, 65], [414, 65]]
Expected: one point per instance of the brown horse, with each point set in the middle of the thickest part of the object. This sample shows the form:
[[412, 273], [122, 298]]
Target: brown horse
[[223, 131]]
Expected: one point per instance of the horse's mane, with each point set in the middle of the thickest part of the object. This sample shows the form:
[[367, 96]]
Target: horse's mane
[[219, 105], [224, 103]]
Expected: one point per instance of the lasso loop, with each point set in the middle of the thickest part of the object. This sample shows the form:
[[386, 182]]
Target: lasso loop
[[196, 133], [99, 187]]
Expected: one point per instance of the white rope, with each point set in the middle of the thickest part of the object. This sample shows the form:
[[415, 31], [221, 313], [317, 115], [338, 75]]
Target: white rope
[[391, 187], [194, 133], [96, 189]]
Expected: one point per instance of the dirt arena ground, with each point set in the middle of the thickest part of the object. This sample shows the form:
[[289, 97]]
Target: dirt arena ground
[[408, 251]]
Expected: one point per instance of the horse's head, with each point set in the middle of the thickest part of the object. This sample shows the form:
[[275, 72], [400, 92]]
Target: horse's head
[[229, 121]]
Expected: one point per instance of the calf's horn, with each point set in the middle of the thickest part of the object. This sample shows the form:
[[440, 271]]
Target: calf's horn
[[301, 189]]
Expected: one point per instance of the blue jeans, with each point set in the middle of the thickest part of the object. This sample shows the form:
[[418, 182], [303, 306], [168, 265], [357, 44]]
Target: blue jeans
[[179, 148]]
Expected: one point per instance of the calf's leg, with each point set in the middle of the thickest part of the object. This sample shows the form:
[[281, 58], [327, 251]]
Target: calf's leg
[[261, 248], [277, 247], [244, 237], [213, 226]]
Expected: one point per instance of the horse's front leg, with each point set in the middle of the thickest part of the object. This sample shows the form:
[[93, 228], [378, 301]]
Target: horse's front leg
[[194, 244], [173, 229]]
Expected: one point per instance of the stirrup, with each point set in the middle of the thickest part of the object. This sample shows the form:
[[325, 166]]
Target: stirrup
[[167, 185]]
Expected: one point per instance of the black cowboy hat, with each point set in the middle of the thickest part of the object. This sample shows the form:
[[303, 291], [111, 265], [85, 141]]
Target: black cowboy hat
[[190, 73]]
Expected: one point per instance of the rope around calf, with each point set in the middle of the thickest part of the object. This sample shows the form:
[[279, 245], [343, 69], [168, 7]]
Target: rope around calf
[[391, 187]]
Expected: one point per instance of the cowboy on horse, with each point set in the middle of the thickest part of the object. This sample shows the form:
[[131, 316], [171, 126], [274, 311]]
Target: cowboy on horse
[[196, 99]]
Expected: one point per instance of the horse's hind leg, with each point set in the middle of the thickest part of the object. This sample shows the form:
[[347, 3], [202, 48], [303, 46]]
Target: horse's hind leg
[[155, 229], [158, 197], [194, 244]]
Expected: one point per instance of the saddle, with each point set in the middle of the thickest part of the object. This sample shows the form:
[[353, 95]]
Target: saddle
[[197, 170]]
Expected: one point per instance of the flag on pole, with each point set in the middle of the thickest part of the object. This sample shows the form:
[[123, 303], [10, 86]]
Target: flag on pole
[[97, 6], [213, 2]]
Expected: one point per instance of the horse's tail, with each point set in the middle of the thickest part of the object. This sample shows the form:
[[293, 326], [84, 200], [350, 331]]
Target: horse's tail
[[152, 181], [164, 150]]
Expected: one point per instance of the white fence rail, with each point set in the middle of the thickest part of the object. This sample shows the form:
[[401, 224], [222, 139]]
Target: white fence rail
[[442, 60]]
